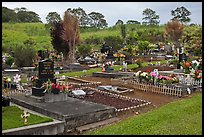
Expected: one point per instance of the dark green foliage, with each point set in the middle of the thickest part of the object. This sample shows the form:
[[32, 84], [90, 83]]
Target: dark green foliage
[[58, 43], [123, 33], [181, 14], [93, 40], [143, 46], [9, 61], [24, 56], [133, 22], [21, 15], [84, 50], [119, 22], [150, 17], [82, 16], [8, 15], [97, 20], [114, 41]]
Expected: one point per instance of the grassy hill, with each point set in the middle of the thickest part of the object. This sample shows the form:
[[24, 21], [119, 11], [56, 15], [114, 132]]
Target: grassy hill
[[183, 117], [14, 34]]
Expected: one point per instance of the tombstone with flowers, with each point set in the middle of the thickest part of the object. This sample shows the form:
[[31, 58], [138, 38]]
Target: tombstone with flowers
[[47, 86], [45, 73]]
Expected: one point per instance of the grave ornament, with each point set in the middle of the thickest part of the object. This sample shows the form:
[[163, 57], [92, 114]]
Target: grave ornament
[[25, 115]]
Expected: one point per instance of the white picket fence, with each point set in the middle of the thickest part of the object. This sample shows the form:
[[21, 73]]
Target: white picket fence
[[193, 82], [147, 87], [159, 89]]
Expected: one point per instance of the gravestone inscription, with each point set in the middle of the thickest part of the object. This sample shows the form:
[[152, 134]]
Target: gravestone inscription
[[46, 69], [45, 73]]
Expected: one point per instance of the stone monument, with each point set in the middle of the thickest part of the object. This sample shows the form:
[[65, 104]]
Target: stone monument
[[45, 72]]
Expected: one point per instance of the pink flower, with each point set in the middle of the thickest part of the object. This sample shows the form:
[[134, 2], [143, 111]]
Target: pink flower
[[153, 74], [160, 77], [166, 77]]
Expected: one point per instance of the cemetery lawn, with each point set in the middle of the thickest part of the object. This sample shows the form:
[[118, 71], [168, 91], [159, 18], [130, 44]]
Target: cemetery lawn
[[183, 117], [11, 118], [116, 68]]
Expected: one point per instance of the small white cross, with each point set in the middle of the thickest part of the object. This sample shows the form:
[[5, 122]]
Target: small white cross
[[25, 115]]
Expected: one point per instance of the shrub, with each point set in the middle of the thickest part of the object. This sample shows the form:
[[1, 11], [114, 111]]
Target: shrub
[[24, 56], [114, 41], [9, 60]]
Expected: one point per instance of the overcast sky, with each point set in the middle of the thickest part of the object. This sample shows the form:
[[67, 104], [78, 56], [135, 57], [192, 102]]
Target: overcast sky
[[113, 10]]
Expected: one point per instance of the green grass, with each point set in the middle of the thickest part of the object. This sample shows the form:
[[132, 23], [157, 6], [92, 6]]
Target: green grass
[[116, 68], [11, 118], [183, 117]]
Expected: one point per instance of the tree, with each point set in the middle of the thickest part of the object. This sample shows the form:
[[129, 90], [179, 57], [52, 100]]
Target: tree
[[8, 15], [143, 46], [97, 20], [119, 22], [150, 17], [82, 16], [52, 18], [58, 43], [181, 14], [84, 50], [70, 35], [174, 31], [123, 33], [27, 16], [19, 15], [192, 39], [132, 22]]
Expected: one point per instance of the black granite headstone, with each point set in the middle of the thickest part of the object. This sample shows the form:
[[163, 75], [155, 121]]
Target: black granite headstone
[[46, 69], [182, 58], [45, 73]]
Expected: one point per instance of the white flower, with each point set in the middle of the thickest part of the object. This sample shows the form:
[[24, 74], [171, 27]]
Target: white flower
[[17, 78], [138, 73], [144, 74]]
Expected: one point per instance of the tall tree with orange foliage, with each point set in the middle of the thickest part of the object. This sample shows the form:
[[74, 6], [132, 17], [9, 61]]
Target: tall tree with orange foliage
[[174, 31]]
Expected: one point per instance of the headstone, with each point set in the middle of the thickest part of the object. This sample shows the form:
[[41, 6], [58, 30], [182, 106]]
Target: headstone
[[46, 69], [45, 73]]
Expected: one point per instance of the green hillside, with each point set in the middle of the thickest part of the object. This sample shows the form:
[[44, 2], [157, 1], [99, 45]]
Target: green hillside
[[14, 34]]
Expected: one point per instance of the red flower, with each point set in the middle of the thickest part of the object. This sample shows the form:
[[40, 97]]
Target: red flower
[[148, 71], [70, 87], [198, 71], [187, 64], [63, 87], [58, 86], [53, 86]]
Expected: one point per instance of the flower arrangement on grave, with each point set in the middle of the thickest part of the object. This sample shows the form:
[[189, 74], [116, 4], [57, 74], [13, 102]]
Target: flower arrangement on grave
[[7, 82], [34, 80], [187, 66], [142, 76], [162, 79], [51, 87], [168, 79], [198, 75]]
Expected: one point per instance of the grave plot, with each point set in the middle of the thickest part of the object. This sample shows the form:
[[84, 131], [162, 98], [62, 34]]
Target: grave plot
[[114, 89], [77, 82], [119, 102]]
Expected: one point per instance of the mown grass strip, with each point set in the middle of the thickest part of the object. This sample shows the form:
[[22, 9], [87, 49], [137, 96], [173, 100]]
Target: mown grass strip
[[116, 68], [183, 117], [11, 118]]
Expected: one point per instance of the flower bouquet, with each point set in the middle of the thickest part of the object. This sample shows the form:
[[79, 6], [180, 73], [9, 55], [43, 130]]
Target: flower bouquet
[[55, 88]]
